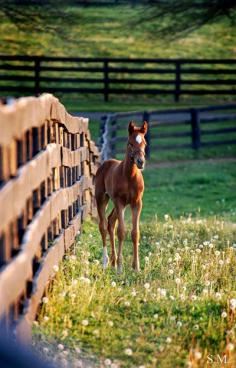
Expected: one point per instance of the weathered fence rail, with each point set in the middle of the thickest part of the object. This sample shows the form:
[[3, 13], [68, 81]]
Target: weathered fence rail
[[171, 129], [108, 76], [47, 166]]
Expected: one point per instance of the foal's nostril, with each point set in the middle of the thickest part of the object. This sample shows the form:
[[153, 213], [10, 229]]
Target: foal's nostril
[[140, 162]]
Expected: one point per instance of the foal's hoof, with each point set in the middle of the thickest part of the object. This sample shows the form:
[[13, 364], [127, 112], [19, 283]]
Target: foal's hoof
[[119, 269], [105, 262]]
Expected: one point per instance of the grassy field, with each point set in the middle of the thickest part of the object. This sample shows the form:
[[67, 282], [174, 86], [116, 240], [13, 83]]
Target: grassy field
[[179, 311], [114, 32], [111, 31]]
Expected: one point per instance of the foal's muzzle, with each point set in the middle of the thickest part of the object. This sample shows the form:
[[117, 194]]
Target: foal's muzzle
[[140, 163]]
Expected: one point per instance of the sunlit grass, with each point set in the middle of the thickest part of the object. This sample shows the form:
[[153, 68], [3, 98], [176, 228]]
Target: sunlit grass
[[179, 310]]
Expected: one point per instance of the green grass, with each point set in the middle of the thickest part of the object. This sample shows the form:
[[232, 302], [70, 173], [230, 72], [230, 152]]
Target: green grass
[[202, 189], [109, 31], [115, 32], [167, 316], [170, 314]]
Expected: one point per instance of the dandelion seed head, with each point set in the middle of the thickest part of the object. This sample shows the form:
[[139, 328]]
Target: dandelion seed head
[[232, 304], [197, 355], [179, 324], [178, 281], [85, 322], [128, 352], [107, 362], [230, 346]]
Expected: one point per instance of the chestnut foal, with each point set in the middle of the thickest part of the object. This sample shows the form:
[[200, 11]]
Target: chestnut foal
[[122, 182]]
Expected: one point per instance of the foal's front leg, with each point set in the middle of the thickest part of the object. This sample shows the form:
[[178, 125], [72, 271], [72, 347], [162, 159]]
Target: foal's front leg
[[120, 210], [136, 211]]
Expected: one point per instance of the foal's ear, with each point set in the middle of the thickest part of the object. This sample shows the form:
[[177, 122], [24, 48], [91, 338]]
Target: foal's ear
[[131, 127], [144, 128]]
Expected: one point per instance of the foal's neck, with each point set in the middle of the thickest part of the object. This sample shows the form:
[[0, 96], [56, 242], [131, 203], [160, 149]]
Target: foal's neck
[[130, 169]]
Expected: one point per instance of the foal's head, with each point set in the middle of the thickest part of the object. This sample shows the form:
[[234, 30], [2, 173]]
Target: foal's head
[[137, 143]]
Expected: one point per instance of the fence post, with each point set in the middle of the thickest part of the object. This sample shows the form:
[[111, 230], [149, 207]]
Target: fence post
[[146, 117], [113, 136], [177, 80], [37, 62], [101, 131], [106, 80], [196, 129]]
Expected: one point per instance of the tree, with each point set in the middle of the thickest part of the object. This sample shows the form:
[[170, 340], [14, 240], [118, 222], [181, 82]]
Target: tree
[[176, 17]]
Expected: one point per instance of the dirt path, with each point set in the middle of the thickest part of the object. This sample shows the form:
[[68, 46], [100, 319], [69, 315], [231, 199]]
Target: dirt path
[[184, 162]]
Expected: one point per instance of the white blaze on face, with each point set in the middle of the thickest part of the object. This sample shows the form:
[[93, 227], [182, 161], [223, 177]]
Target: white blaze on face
[[138, 139]]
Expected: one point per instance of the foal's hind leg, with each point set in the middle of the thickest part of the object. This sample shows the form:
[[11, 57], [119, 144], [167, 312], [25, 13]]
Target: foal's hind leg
[[102, 201], [112, 218]]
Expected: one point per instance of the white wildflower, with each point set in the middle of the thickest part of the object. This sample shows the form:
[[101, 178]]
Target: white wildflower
[[45, 300], [133, 292], [177, 280], [230, 346], [168, 340], [166, 217], [197, 355], [177, 257], [107, 362], [85, 322], [113, 284], [232, 304], [223, 314], [147, 285], [110, 323], [179, 324], [128, 352]]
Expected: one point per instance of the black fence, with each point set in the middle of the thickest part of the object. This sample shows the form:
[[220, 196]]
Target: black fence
[[22, 75], [171, 129]]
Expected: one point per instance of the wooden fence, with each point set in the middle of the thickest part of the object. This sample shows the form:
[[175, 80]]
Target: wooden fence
[[47, 166], [107, 76], [171, 129]]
